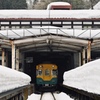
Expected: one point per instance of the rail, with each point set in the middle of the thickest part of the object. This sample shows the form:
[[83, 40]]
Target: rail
[[79, 94], [41, 97], [53, 95], [20, 93]]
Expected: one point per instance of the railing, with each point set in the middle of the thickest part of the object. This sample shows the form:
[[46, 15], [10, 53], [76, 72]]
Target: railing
[[20, 93], [79, 94]]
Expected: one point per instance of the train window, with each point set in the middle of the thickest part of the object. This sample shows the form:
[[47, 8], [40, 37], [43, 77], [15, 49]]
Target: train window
[[54, 72], [39, 72], [47, 72]]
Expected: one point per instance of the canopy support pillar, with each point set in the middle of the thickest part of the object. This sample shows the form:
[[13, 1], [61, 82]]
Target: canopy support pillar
[[83, 56], [6, 58], [13, 56], [79, 58], [17, 59], [3, 57], [89, 51]]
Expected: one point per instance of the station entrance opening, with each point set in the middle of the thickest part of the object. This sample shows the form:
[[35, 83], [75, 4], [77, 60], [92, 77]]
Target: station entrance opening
[[64, 61]]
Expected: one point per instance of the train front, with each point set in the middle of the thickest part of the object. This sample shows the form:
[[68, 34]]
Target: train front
[[46, 76]]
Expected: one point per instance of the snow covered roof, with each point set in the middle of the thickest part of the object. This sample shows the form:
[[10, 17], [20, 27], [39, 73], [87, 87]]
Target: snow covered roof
[[39, 37], [59, 3], [44, 14], [85, 77], [97, 6], [81, 34], [77, 33]]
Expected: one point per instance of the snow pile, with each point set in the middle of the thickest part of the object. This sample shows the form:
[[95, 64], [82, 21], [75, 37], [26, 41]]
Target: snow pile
[[86, 77], [62, 96], [10, 79], [34, 97], [48, 96]]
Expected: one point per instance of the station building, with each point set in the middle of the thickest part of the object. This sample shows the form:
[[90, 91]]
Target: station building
[[30, 37]]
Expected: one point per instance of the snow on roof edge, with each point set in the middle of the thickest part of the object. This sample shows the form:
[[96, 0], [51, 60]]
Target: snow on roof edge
[[57, 3], [88, 14]]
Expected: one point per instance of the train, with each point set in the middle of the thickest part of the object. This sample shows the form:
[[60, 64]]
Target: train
[[46, 75]]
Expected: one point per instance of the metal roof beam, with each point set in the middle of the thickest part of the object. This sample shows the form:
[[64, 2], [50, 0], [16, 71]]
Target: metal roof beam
[[33, 46], [29, 40], [64, 39], [67, 46], [5, 42], [64, 49]]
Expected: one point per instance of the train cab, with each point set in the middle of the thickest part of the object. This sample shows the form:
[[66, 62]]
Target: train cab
[[46, 75]]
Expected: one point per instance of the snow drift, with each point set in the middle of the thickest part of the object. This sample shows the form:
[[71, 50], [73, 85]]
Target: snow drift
[[86, 77], [10, 79], [48, 96]]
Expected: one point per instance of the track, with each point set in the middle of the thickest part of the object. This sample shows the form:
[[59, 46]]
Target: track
[[42, 94], [53, 95]]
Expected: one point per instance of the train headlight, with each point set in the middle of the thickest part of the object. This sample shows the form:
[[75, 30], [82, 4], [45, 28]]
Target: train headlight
[[53, 66], [40, 66]]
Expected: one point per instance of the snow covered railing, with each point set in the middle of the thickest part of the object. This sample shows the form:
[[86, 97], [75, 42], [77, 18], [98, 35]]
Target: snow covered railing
[[20, 93], [79, 94]]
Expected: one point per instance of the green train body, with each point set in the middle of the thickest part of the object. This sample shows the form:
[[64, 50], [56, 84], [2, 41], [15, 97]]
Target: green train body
[[42, 82], [46, 75]]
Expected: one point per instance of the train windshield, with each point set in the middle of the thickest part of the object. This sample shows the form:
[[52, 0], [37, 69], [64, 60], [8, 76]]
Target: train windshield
[[54, 72], [47, 72], [39, 72]]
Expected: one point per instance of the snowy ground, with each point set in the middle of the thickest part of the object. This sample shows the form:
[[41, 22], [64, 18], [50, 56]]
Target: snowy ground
[[10, 79], [86, 77], [48, 96]]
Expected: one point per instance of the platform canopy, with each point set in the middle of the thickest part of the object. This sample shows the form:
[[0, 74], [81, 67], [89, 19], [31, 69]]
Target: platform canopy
[[50, 38], [44, 14]]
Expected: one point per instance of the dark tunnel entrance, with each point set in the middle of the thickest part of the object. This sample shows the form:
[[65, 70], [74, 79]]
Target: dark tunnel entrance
[[64, 61]]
